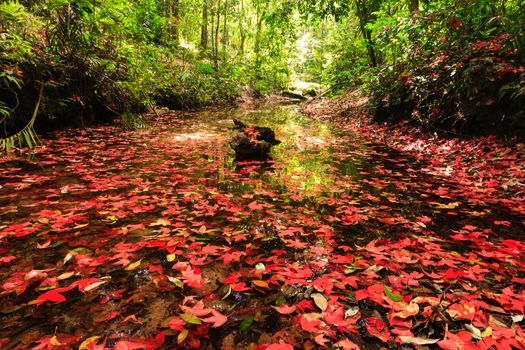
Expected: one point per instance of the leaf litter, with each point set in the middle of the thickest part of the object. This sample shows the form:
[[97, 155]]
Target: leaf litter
[[373, 238]]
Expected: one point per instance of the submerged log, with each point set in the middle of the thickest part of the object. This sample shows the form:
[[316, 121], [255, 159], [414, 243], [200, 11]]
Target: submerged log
[[252, 143]]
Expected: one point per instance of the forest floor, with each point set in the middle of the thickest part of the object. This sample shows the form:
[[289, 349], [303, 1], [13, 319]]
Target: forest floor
[[355, 235]]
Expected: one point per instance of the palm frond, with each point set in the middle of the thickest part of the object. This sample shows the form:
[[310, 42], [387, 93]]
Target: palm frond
[[27, 135]]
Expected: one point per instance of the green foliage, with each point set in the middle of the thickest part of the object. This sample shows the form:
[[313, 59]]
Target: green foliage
[[96, 60], [460, 69], [101, 59]]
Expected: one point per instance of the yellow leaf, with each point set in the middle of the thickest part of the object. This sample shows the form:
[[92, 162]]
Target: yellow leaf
[[182, 336], [319, 300], [487, 332], [80, 226], [260, 283], [160, 222], [170, 257], [54, 341], [93, 286], [86, 343], [134, 265], [447, 206], [65, 275], [176, 281]]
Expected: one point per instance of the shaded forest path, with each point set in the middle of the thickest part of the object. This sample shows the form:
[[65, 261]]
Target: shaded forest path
[[354, 236]]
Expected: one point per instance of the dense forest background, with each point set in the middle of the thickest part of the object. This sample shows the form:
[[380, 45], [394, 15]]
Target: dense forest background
[[448, 65]]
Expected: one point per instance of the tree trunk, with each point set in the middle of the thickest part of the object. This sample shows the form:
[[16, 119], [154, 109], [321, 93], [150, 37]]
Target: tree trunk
[[241, 29], [225, 30], [175, 19], [204, 26], [363, 18], [217, 34], [413, 6], [259, 17]]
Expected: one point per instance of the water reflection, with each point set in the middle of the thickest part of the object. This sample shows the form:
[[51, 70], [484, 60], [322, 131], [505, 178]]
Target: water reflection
[[303, 164]]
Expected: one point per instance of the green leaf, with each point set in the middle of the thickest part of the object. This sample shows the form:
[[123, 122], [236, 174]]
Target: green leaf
[[245, 324], [57, 244], [280, 300], [394, 297], [191, 319]]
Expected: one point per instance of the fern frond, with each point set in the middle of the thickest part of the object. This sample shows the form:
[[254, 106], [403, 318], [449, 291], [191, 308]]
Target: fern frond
[[27, 136]]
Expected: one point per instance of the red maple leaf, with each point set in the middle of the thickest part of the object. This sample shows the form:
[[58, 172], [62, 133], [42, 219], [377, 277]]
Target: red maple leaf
[[217, 319], [285, 309], [461, 341]]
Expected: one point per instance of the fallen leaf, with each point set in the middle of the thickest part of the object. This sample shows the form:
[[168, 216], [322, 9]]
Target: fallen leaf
[[133, 266], [191, 319], [417, 340], [320, 301], [285, 309], [260, 283], [217, 319], [182, 336], [86, 343]]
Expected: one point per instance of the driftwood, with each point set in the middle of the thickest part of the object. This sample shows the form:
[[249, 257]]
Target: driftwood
[[252, 143]]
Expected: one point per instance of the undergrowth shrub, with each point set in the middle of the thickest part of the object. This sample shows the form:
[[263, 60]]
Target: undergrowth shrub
[[479, 89], [460, 71]]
